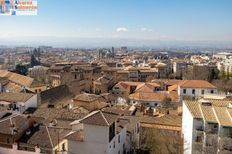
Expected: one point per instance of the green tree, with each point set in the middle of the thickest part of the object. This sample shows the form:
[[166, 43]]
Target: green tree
[[21, 69], [166, 102], [34, 61]]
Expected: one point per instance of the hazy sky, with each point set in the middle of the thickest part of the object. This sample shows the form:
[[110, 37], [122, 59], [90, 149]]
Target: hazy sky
[[191, 20]]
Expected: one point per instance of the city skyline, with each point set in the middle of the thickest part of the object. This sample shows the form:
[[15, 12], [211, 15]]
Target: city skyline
[[106, 22]]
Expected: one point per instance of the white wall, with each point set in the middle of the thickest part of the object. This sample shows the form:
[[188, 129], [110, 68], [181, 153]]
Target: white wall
[[94, 133], [118, 146], [187, 130], [32, 102], [198, 91], [96, 141]]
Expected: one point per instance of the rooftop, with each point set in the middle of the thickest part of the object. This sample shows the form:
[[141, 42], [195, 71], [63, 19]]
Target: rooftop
[[100, 118], [15, 97], [211, 111]]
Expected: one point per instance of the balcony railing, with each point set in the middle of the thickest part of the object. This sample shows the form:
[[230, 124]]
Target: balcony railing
[[211, 130], [210, 140], [225, 143], [200, 128]]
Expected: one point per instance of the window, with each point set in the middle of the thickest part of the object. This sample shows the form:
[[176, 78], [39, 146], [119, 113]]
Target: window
[[202, 92], [114, 144], [137, 127], [184, 91], [63, 146], [193, 91], [211, 91], [118, 138], [111, 132], [119, 152]]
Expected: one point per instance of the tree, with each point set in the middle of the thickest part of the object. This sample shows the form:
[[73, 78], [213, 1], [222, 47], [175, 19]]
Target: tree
[[166, 102], [34, 61], [160, 141], [21, 69]]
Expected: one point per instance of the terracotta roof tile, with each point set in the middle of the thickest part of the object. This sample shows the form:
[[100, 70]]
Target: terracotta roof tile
[[100, 118]]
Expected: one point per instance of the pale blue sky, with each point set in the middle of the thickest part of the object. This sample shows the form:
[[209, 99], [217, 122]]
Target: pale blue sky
[[191, 20]]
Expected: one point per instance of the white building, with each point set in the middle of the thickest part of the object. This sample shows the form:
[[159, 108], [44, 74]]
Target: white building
[[100, 133], [222, 55], [180, 67], [195, 88], [18, 102], [207, 127], [225, 65]]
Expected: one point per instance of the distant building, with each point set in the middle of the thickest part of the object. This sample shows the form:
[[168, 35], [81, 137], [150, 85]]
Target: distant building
[[39, 73], [222, 55]]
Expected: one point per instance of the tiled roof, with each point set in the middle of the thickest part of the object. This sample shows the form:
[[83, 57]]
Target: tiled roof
[[92, 106], [100, 118], [196, 84], [146, 87], [208, 115], [15, 97], [12, 87], [86, 97], [45, 137], [18, 121], [17, 78], [194, 108], [54, 113], [154, 96], [56, 94], [223, 116], [120, 110], [168, 120], [76, 136], [210, 112]]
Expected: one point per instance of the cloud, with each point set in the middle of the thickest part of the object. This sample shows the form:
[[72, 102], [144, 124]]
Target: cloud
[[122, 29], [144, 29]]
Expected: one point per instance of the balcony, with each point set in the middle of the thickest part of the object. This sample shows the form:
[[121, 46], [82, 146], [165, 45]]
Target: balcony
[[211, 128], [199, 128], [210, 140], [225, 144]]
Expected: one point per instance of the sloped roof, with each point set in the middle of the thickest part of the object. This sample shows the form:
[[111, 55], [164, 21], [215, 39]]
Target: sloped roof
[[210, 112], [154, 96], [46, 137], [127, 84], [100, 118], [55, 113], [17, 78], [196, 84], [15, 97], [76, 136], [18, 121], [86, 97], [146, 87]]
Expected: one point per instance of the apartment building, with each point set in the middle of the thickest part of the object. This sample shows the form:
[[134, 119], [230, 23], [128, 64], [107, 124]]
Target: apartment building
[[207, 126], [102, 132]]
